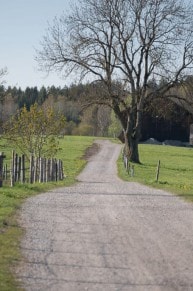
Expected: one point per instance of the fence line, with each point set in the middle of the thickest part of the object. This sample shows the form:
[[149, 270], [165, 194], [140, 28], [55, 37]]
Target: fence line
[[129, 168], [40, 170]]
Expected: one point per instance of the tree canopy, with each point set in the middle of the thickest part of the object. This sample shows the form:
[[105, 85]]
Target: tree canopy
[[35, 131], [124, 44]]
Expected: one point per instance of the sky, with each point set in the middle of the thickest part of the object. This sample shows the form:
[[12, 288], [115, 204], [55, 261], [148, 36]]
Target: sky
[[23, 24]]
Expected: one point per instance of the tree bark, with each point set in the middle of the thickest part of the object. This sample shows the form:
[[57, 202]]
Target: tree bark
[[132, 134], [131, 149]]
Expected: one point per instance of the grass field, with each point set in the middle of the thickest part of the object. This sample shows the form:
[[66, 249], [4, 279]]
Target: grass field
[[176, 174], [176, 171]]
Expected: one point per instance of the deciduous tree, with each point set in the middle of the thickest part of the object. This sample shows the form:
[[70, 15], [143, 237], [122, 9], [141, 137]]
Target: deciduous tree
[[35, 131], [129, 41]]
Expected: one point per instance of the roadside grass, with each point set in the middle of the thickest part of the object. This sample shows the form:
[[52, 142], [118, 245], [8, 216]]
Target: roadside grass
[[176, 169], [11, 199]]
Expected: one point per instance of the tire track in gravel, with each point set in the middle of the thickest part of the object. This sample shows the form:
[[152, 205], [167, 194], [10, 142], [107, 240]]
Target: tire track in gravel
[[106, 234]]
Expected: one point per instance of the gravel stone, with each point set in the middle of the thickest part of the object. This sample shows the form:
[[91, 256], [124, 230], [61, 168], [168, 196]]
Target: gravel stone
[[106, 234]]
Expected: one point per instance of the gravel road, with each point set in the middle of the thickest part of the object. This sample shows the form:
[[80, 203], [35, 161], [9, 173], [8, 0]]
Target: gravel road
[[103, 234]]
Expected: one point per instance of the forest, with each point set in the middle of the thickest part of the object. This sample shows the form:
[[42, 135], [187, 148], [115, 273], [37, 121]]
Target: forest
[[162, 119]]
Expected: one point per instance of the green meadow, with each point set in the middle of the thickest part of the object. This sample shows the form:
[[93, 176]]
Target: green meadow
[[176, 169], [176, 174]]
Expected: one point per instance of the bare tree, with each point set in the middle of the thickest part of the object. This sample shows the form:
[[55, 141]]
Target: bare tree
[[124, 44]]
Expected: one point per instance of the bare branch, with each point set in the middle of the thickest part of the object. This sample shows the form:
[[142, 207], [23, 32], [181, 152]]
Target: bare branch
[[131, 41]]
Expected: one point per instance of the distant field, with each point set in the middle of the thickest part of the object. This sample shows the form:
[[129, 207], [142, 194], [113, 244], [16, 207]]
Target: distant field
[[176, 171]]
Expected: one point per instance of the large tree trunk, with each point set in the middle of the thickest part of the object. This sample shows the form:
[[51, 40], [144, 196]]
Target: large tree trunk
[[131, 147], [132, 134], [131, 123]]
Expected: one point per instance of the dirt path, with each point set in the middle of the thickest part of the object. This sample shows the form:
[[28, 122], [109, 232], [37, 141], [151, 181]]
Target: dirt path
[[105, 235]]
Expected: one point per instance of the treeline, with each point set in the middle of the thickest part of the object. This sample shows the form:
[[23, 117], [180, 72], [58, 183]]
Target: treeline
[[163, 119], [94, 120], [31, 95]]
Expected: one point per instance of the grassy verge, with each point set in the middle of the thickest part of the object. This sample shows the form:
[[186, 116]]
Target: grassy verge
[[72, 151], [176, 169]]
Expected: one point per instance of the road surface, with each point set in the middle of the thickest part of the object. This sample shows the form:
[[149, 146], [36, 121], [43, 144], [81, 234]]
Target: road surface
[[103, 234]]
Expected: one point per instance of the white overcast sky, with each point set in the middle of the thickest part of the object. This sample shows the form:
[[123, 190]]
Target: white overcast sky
[[22, 26]]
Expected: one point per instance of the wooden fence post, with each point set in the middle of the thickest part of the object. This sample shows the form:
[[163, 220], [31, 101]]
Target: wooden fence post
[[22, 176], [62, 173], [5, 172], [51, 169], [56, 170], [158, 170], [2, 156], [31, 174], [19, 169], [48, 170], [41, 170], [35, 174], [15, 167], [126, 162], [59, 170], [132, 171], [12, 167], [45, 170]]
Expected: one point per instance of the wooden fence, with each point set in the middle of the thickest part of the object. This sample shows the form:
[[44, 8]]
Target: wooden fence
[[129, 168], [40, 170]]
